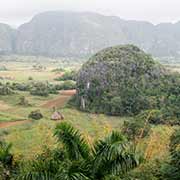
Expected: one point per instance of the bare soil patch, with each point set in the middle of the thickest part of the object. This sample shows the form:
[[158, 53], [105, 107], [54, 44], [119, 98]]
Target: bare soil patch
[[58, 102], [68, 92], [58, 74], [14, 123], [4, 106], [61, 100]]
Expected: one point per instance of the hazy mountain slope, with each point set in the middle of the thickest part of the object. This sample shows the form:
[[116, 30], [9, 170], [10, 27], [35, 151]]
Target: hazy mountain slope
[[81, 34], [6, 39], [68, 34], [166, 40]]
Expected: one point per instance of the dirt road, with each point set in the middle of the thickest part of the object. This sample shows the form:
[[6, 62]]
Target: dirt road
[[14, 123], [61, 100]]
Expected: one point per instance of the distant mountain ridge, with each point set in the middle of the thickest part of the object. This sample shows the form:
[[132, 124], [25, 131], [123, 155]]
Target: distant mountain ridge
[[74, 34], [7, 37]]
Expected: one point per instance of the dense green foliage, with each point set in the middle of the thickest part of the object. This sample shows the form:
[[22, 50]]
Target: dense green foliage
[[147, 171], [6, 160], [5, 89], [171, 170], [5, 155], [40, 89], [170, 106], [136, 129], [168, 169], [117, 80], [155, 116], [123, 80], [73, 158]]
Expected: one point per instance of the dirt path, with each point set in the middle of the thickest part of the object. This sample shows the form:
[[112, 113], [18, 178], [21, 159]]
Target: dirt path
[[14, 123], [68, 92], [61, 100], [4, 106]]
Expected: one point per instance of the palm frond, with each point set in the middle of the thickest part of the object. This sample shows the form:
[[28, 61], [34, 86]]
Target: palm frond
[[72, 170], [36, 176], [75, 145], [113, 156], [38, 169], [5, 155]]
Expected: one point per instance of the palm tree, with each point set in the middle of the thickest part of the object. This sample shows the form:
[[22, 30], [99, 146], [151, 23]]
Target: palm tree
[[6, 159], [109, 157], [5, 156], [74, 143], [113, 156]]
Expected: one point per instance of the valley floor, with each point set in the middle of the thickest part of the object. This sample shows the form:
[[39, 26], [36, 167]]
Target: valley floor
[[30, 137]]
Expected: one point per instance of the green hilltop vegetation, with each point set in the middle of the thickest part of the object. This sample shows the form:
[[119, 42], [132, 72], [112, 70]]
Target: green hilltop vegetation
[[123, 80], [122, 122]]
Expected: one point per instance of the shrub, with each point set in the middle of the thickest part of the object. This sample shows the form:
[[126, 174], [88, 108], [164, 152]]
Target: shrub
[[66, 85], [36, 115], [69, 75], [59, 70], [175, 140], [137, 128], [171, 103], [52, 89], [23, 101], [171, 170], [147, 171], [5, 90], [21, 86], [154, 116], [30, 78], [40, 89]]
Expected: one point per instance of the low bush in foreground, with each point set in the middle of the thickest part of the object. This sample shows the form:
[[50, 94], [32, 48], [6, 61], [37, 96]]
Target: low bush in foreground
[[171, 170]]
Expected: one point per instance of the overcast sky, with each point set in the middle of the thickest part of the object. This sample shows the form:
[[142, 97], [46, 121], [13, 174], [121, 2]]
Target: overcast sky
[[15, 12]]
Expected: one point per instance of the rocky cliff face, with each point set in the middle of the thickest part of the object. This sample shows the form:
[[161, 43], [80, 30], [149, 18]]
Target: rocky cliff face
[[68, 34], [7, 35], [82, 34]]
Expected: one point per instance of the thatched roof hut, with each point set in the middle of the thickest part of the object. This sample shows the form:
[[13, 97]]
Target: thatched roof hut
[[57, 116]]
